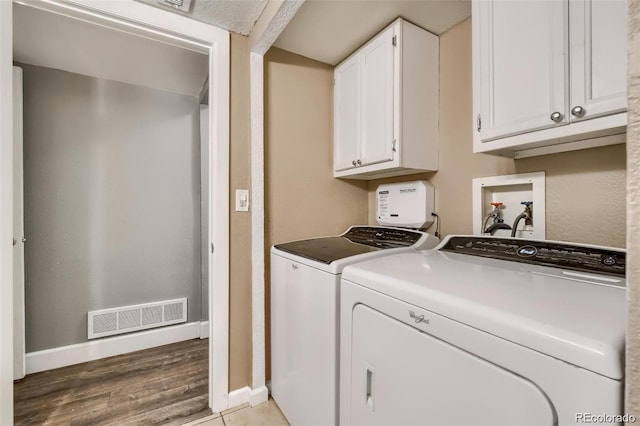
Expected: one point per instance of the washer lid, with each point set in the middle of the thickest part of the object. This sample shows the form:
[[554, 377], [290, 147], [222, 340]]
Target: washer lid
[[357, 240], [327, 249], [567, 316]]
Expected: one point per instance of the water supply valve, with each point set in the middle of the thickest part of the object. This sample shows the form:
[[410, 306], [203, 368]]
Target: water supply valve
[[498, 221], [528, 218], [496, 214]]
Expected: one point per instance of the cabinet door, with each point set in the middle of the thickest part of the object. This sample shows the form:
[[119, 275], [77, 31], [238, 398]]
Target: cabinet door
[[346, 114], [377, 62], [523, 65], [598, 57]]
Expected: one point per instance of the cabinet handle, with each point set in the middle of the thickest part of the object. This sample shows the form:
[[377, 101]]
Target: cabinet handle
[[577, 111], [557, 117], [353, 162], [359, 163]]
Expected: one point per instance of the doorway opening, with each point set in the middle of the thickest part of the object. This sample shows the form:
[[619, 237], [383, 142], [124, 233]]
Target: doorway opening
[[116, 248]]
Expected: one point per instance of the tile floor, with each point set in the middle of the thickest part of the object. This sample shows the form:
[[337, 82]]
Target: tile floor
[[267, 414]]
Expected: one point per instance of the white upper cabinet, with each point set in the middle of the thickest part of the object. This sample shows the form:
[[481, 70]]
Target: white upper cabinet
[[598, 53], [377, 99], [523, 53], [346, 114], [386, 105], [549, 75]]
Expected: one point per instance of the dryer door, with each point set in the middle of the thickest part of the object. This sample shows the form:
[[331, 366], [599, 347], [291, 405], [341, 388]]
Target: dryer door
[[400, 375]]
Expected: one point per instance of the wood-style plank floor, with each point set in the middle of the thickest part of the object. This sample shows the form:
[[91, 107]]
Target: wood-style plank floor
[[167, 385]]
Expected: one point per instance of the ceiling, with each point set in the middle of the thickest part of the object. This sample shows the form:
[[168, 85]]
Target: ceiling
[[237, 16], [330, 30], [325, 30], [79, 47]]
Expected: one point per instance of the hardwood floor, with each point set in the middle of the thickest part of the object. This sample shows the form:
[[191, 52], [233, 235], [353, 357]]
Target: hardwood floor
[[166, 385]]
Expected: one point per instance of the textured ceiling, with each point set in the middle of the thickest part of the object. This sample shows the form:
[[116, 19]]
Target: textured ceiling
[[237, 16], [330, 30], [327, 30]]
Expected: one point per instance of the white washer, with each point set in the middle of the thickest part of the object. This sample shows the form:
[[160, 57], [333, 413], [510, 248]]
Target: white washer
[[482, 330], [305, 300]]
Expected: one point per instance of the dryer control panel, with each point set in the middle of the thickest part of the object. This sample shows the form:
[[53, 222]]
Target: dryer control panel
[[584, 258]]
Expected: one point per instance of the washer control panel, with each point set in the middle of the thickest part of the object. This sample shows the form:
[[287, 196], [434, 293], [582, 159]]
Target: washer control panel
[[555, 254], [382, 237]]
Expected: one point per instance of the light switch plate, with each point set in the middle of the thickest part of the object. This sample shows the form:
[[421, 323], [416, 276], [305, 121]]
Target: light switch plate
[[242, 200]]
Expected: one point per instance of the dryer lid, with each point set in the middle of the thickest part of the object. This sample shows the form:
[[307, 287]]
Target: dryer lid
[[567, 316]]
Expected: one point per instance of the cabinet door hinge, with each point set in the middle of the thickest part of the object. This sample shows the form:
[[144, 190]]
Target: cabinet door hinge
[[479, 122], [394, 40], [393, 145]]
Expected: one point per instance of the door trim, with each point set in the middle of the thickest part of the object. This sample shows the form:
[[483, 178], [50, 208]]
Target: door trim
[[273, 20], [19, 351], [6, 212], [142, 20]]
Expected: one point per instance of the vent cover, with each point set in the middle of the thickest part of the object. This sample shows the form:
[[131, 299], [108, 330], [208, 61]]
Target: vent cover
[[107, 322]]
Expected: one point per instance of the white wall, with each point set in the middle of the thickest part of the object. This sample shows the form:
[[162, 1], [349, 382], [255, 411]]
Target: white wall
[[112, 201]]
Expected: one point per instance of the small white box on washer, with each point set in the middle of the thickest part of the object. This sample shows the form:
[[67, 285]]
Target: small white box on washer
[[405, 204]]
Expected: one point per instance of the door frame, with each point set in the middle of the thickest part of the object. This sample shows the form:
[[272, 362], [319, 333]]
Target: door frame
[[156, 24]]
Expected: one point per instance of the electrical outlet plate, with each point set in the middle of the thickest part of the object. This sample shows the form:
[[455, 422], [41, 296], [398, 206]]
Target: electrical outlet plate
[[242, 200], [511, 190]]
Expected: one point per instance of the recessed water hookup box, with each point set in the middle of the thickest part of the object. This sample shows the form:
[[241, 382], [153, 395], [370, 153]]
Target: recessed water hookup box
[[511, 191]]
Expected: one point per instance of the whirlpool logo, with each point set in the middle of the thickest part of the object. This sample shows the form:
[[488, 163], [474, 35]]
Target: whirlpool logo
[[418, 318]]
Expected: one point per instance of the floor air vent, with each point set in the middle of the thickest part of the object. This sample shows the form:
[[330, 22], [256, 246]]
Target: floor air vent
[[125, 319]]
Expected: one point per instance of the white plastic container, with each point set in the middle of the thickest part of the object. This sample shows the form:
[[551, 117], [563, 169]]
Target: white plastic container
[[405, 204]]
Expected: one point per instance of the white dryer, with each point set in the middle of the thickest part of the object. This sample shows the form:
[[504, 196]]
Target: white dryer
[[484, 331]]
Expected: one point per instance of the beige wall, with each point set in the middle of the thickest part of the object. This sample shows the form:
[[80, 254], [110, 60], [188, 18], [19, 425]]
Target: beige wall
[[586, 194], [585, 190], [240, 338], [302, 199], [632, 404], [458, 164]]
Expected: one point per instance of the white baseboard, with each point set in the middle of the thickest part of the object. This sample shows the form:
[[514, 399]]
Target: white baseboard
[[49, 359], [239, 397], [247, 395], [259, 396], [204, 329]]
